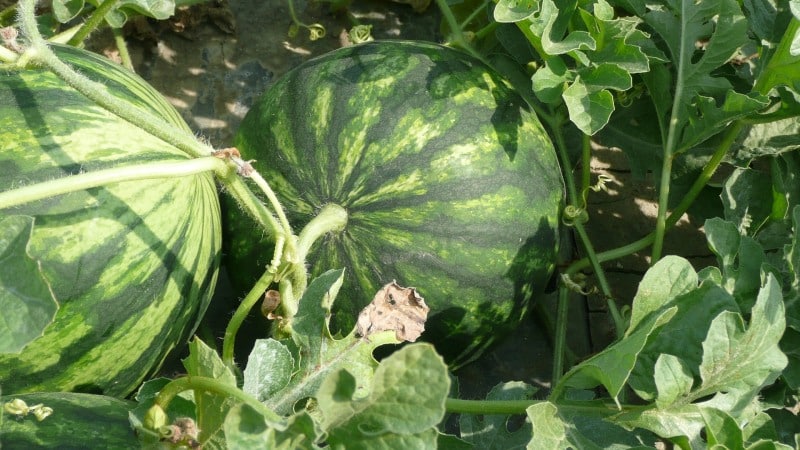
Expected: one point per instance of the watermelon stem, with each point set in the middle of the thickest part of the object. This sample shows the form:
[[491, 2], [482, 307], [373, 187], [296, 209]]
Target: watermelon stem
[[229, 341], [212, 385], [79, 182], [91, 24]]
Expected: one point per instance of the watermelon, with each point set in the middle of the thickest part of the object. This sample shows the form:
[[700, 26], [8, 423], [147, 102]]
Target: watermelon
[[132, 265], [78, 421], [450, 184]]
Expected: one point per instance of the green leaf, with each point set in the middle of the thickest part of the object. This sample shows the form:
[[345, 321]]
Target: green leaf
[[314, 351], [581, 426], [26, 300], [404, 405], [738, 362], [66, 10], [212, 408], [491, 431], [673, 379], [694, 309], [740, 259], [721, 429], [510, 11], [767, 139], [721, 29], [550, 81], [269, 369], [589, 109], [246, 429], [669, 278], [746, 196], [557, 38], [792, 258], [612, 367]]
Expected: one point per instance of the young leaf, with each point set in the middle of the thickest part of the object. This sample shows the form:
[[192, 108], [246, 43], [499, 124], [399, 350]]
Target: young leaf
[[404, 405], [738, 362], [269, 369], [740, 258], [26, 300], [491, 431], [203, 361]]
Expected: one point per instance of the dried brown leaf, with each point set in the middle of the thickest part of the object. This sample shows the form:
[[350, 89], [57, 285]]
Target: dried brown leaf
[[394, 308]]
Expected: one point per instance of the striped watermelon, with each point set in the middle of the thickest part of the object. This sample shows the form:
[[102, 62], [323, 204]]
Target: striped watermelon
[[132, 265], [78, 421], [450, 183]]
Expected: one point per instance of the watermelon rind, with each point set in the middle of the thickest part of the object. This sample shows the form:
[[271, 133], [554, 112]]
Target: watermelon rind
[[78, 421], [133, 264], [450, 183]]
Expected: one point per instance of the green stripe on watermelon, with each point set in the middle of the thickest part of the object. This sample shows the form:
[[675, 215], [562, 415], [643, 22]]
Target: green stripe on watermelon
[[132, 265], [450, 183], [78, 421]]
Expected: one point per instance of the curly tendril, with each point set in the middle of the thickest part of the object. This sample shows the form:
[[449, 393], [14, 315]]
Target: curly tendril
[[573, 214]]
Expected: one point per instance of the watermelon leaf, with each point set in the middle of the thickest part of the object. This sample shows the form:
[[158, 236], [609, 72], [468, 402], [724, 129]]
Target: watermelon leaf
[[27, 303], [246, 429], [203, 361], [66, 10], [312, 351], [491, 431], [404, 404], [562, 427], [269, 369]]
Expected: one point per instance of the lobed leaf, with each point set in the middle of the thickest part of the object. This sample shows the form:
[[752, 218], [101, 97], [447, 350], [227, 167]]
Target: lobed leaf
[[404, 405], [315, 353]]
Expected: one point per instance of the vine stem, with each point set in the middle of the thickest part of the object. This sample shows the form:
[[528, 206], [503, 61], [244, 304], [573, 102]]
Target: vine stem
[[514, 407], [97, 16], [229, 341], [207, 384], [455, 29], [72, 183], [700, 182]]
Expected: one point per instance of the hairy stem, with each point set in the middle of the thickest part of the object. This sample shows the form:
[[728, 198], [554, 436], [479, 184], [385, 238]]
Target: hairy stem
[[39, 52], [255, 294], [122, 46], [72, 183], [95, 19]]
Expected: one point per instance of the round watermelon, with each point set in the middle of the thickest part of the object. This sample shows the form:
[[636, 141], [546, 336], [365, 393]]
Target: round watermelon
[[131, 265], [450, 184]]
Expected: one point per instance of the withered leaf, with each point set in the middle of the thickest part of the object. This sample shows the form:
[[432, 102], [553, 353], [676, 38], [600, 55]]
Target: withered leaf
[[272, 299], [394, 308]]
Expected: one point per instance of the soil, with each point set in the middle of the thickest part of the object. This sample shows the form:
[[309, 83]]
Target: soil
[[213, 60]]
